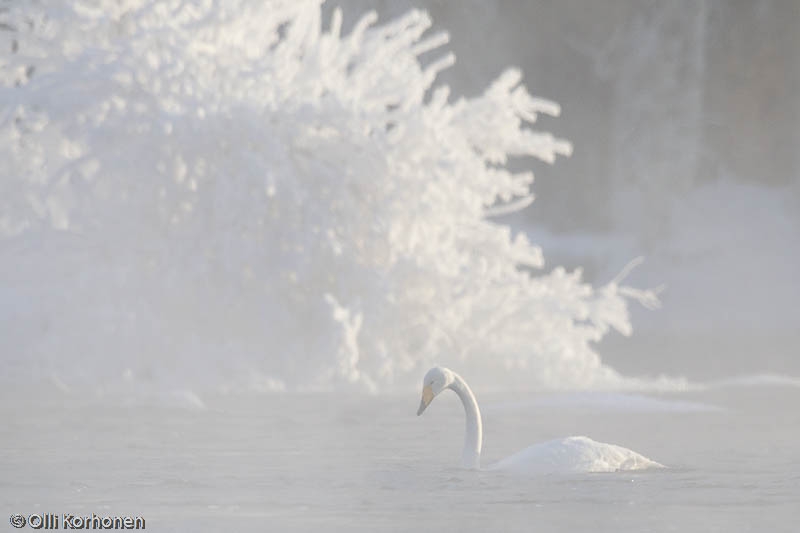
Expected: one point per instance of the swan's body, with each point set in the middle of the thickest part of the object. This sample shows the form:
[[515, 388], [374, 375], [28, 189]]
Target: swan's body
[[573, 455], [569, 455]]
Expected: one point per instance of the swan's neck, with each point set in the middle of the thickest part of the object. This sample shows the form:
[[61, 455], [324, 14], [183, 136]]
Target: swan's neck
[[471, 457]]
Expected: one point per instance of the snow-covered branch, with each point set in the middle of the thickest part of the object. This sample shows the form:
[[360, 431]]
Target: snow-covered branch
[[228, 189]]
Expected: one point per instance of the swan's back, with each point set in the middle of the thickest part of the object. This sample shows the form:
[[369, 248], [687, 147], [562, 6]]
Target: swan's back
[[573, 455]]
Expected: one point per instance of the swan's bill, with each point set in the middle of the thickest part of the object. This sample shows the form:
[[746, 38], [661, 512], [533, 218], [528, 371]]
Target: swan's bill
[[427, 398]]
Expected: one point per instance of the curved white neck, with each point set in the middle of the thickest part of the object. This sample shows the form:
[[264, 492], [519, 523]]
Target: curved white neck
[[473, 439]]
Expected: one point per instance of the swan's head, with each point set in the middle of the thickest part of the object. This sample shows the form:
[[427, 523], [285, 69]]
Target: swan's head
[[435, 381]]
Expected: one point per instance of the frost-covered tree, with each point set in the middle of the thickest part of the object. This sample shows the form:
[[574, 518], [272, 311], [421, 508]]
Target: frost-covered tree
[[238, 193]]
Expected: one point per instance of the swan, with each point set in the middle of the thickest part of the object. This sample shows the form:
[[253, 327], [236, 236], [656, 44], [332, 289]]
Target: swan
[[568, 455]]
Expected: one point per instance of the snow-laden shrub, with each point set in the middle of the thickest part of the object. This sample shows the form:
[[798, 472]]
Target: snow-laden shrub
[[238, 193]]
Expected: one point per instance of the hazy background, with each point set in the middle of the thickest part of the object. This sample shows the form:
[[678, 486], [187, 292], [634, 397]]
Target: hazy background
[[183, 266], [685, 118]]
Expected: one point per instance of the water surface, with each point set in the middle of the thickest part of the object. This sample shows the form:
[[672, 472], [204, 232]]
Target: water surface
[[320, 462]]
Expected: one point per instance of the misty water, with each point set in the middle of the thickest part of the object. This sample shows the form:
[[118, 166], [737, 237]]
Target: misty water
[[234, 235], [333, 462]]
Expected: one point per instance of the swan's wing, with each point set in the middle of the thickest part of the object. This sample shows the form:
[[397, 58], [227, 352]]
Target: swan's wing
[[574, 455]]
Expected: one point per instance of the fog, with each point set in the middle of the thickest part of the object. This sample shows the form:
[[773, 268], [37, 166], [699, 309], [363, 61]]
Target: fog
[[685, 118], [234, 237]]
